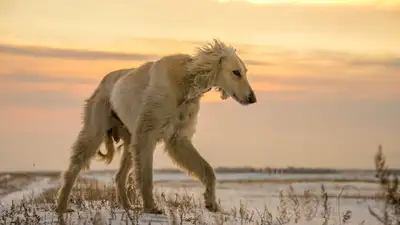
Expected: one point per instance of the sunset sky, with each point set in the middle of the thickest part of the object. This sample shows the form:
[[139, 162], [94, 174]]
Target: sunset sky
[[326, 74]]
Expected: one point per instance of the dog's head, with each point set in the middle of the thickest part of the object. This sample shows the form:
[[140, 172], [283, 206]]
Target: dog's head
[[231, 80], [217, 65]]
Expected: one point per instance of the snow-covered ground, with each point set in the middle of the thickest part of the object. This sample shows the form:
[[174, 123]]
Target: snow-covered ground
[[5, 177], [166, 176], [34, 189], [242, 202]]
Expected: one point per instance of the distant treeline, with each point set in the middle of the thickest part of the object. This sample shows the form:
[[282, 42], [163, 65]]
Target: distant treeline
[[288, 170]]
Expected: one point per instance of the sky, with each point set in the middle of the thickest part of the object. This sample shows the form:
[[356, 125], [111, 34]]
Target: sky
[[326, 74]]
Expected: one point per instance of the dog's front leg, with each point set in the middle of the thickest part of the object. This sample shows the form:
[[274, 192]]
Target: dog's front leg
[[185, 155], [144, 142]]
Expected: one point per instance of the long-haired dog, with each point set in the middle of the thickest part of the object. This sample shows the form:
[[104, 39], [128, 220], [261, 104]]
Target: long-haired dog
[[156, 102]]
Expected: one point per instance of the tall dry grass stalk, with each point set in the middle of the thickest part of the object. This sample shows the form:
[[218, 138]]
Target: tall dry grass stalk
[[390, 212]]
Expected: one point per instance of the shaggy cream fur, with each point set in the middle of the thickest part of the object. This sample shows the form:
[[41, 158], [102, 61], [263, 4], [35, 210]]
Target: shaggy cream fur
[[158, 101]]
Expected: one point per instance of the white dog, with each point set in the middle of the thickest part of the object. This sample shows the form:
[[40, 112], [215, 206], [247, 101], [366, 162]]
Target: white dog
[[158, 101]]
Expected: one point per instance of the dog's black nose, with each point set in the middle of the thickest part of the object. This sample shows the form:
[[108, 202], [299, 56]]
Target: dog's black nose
[[251, 98]]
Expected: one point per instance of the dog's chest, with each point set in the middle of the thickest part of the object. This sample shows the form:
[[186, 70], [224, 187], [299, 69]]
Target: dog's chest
[[185, 116], [187, 112], [183, 122]]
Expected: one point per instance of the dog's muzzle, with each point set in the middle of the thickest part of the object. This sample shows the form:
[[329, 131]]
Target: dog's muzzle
[[251, 98]]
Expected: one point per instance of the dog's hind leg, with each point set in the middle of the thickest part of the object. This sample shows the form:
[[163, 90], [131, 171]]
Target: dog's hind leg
[[122, 173], [185, 155], [83, 151], [96, 114]]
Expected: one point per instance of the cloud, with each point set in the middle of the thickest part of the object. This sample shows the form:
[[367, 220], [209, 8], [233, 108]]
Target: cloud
[[316, 57], [40, 99], [344, 84], [42, 78], [44, 91], [304, 80], [257, 62], [39, 51], [252, 55], [386, 62], [277, 87], [24, 90]]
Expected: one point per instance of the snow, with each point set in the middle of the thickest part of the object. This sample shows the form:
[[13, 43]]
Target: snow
[[32, 190], [5, 177], [248, 198], [165, 176]]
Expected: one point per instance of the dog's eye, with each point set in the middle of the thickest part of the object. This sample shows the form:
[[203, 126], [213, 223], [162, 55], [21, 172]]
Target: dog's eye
[[237, 73]]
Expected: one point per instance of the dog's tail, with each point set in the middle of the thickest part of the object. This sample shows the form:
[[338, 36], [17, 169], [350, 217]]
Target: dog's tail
[[110, 149]]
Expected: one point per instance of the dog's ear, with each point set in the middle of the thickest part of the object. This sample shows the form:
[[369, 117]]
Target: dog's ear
[[223, 93], [222, 58]]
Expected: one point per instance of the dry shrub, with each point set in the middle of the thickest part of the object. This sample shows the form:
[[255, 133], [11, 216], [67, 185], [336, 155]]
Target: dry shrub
[[390, 212]]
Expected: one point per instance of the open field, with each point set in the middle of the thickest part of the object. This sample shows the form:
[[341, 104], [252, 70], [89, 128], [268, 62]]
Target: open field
[[244, 198]]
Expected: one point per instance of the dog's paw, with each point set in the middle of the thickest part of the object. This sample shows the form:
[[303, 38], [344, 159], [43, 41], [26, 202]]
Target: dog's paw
[[212, 207], [153, 210], [63, 210], [125, 204]]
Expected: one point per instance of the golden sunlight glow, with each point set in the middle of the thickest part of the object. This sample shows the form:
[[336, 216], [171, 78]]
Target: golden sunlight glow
[[211, 96], [352, 2], [314, 65]]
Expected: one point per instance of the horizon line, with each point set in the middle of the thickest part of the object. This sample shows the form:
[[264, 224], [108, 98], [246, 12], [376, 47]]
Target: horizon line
[[2, 171]]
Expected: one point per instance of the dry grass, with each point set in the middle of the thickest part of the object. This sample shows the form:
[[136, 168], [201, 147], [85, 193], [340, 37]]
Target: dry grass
[[390, 213], [90, 196]]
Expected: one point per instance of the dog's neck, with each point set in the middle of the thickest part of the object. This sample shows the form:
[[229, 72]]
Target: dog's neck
[[198, 84]]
